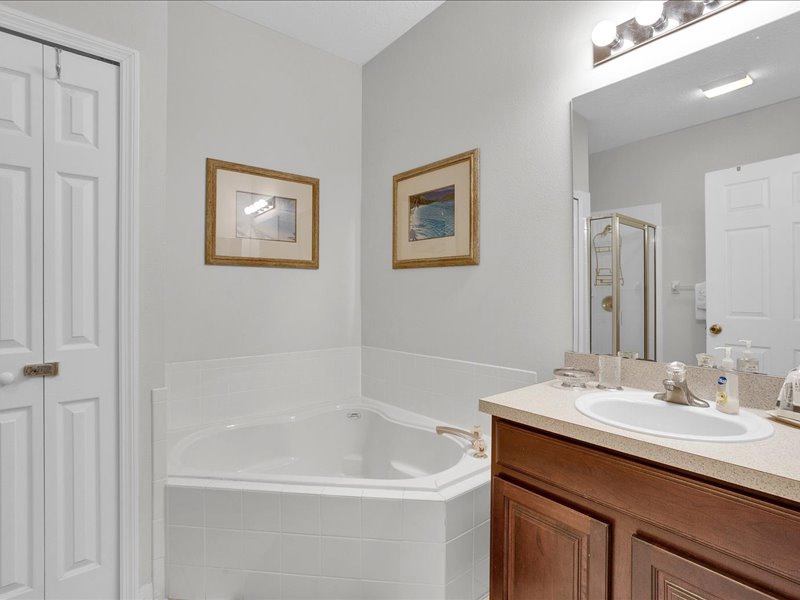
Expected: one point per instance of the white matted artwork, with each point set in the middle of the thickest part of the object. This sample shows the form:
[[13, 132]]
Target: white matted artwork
[[259, 217], [436, 214]]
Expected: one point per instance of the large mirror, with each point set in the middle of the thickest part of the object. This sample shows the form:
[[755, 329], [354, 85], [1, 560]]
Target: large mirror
[[712, 187]]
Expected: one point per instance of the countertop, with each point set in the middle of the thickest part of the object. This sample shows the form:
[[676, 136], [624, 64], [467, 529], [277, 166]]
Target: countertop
[[771, 465]]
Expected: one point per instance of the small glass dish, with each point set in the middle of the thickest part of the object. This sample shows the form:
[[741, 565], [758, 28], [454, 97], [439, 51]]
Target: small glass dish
[[573, 378]]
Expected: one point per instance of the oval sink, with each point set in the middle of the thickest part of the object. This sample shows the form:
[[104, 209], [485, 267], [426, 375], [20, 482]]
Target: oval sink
[[639, 411]]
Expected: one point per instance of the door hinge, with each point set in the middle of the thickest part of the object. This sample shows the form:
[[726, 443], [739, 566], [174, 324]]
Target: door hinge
[[41, 370]]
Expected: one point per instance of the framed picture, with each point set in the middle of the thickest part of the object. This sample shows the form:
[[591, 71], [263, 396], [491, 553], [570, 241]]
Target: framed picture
[[260, 218], [436, 214]]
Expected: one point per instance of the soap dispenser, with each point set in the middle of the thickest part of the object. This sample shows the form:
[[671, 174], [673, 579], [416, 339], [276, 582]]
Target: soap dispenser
[[748, 362], [727, 396]]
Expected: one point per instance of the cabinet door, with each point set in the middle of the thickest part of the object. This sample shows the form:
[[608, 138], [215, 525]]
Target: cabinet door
[[544, 550], [659, 574]]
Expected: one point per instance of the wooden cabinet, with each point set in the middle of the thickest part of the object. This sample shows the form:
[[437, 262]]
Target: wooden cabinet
[[550, 550], [575, 521]]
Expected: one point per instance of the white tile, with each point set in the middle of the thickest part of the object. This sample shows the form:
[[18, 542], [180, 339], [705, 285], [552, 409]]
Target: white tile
[[297, 587], [482, 507], [159, 543], [215, 382], [481, 541], [460, 588], [459, 515], [262, 586], [185, 506], [424, 562], [224, 584], [424, 520], [261, 511], [185, 583], [300, 554], [382, 518], [159, 460], [159, 579], [187, 412], [228, 408], [480, 579], [261, 551], [159, 418], [382, 560], [384, 590], [340, 589], [185, 546], [224, 548], [341, 557], [159, 499], [372, 387], [340, 515], [300, 513], [458, 557], [223, 509]]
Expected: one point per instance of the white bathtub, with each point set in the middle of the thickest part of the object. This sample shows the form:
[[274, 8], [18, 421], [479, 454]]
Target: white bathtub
[[360, 445], [359, 500]]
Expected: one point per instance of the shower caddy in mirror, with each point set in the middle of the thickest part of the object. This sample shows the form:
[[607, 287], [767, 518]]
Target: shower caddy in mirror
[[634, 303]]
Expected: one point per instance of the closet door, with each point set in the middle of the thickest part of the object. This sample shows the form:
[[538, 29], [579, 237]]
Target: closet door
[[80, 326], [21, 337]]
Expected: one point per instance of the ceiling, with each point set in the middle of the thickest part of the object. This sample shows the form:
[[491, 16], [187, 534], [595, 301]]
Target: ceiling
[[354, 30], [668, 98]]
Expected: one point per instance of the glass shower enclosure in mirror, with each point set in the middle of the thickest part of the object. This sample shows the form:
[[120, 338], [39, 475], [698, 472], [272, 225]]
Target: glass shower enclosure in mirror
[[622, 278], [719, 180]]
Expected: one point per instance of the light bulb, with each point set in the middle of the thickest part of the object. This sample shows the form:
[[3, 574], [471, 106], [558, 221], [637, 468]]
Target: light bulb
[[605, 34], [651, 14]]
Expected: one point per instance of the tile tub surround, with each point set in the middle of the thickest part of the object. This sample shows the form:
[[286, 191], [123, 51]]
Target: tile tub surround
[[159, 431], [210, 391], [439, 388], [270, 541], [755, 391]]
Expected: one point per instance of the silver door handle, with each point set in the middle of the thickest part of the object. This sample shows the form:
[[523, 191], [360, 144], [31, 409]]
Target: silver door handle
[[6, 378]]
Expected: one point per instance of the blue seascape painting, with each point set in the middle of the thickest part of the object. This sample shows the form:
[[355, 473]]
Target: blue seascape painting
[[432, 214]]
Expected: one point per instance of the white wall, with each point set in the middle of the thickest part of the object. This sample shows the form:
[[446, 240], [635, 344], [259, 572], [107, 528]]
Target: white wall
[[497, 75], [670, 169], [243, 93]]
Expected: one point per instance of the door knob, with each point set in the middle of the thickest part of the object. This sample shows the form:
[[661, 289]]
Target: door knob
[[715, 329], [6, 378]]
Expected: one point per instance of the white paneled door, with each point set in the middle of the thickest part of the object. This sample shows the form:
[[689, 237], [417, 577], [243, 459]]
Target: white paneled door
[[753, 260], [58, 304]]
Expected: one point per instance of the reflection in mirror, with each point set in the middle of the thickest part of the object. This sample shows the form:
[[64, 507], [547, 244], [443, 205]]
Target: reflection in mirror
[[719, 181]]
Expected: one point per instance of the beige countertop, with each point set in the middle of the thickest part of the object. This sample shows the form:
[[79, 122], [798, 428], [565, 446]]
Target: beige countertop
[[771, 465]]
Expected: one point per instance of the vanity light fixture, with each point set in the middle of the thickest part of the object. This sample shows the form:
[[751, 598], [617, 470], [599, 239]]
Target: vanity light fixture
[[651, 14], [652, 20], [729, 84], [605, 35]]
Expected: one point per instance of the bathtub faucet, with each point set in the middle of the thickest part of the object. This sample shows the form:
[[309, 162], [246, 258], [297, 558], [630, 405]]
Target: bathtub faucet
[[474, 437]]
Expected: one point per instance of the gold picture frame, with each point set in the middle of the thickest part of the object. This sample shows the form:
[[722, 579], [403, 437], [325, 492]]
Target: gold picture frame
[[435, 217], [257, 217]]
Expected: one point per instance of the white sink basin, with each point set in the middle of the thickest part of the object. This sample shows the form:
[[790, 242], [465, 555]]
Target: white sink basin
[[639, 411]]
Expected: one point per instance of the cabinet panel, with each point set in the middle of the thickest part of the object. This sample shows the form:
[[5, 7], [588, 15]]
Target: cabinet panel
[[549, 550], [659, 574]]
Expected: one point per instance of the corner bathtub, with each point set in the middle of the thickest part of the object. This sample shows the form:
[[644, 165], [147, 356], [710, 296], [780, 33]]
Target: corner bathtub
[[354, 445], [357, 500]]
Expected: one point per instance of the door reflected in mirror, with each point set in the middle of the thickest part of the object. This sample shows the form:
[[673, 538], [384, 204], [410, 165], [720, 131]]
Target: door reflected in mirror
[[719, 181]]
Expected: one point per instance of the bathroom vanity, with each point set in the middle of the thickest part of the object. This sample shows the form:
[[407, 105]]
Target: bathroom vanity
[[585, 510]]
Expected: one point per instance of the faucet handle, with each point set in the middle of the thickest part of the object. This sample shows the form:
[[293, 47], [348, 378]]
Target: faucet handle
[[476, 431], [676, 372]]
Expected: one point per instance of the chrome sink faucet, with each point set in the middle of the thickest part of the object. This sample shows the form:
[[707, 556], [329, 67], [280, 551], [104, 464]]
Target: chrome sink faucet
[[474, 437], [677, 390]]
